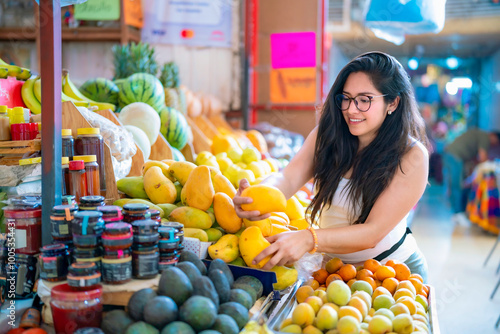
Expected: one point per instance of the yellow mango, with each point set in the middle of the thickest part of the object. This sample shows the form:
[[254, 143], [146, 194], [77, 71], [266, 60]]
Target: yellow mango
[[300, 224], [197, 233], [164, 168], [191, 217], [168, 161], [151, 205], [280, 218], [266, 199], [273, 164], [294, 210], [257, 169], [121, 202], [225, 213], [214, 234], [222, 143], [226, 248], [258, 180], [264, 225], [224, 163], [181, 170], [158, 187], [222, 184], [198, 192], [277, 229], [286, 277], [252, 243]]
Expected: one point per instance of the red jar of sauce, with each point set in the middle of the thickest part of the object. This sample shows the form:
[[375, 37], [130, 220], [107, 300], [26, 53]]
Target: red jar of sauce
[[27, 221]]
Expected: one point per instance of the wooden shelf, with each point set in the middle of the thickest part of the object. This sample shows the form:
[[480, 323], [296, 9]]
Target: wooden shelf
[[80, 34]]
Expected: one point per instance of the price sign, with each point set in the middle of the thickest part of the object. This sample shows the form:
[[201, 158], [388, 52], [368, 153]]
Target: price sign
[[292, 50]]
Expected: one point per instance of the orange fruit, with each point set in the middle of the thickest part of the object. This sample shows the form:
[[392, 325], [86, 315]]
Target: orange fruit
[[364, 273], [347, 272], [417, 284], [322, 288], [391, 263], [333, 265], [426, 288], [423, 293], [390, 284], [351, 281], [320, 275], [384, 272], [417, 276], [333, 277], [358, 268], [402, 271], [371, 265], [370, 280], [303, 292], [312, 283]]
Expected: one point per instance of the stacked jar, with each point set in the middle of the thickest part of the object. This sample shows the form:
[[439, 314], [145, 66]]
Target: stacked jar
[[87, 228], [168, 245], [179, 233], [117, 259], [111, 214], [54, 262], [145, 249], [91, 203]]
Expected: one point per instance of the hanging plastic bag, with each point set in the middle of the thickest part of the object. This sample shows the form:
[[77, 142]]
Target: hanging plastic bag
[[393, 19], [308, 264]]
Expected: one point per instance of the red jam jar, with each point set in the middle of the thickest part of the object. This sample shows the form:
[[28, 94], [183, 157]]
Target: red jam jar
[[111, 213], [84, 275], [91, 203], [61, 220], [27, 222], [168, 239], [117, 236], [54, 262], [146, 232], [73, 309], [117, 266], [134, 211], [153, 215]]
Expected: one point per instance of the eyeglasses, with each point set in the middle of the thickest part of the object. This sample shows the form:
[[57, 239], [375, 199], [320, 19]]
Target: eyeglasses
[[362, 102]]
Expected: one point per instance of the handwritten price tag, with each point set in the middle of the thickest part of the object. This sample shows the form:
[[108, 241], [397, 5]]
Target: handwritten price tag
[[293, 85], [98, 10], [297, 49]]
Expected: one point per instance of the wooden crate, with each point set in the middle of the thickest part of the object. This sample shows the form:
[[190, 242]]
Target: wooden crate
[[12, 151]]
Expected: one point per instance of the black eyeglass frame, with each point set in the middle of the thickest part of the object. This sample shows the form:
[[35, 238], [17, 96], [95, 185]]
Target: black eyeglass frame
[[339, 98]]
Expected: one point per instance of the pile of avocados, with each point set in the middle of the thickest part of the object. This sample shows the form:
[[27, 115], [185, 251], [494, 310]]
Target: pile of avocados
[[190, 299]]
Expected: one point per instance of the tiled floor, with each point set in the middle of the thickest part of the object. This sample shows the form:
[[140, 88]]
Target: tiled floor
[[455, 254]]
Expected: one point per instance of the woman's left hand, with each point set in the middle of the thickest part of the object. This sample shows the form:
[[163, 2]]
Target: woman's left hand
[[286, 248]]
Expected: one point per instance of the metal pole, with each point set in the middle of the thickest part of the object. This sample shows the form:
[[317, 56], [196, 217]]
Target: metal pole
[[245, 60], [50, 70]]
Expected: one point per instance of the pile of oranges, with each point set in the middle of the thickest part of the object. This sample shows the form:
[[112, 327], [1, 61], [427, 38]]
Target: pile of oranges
[[387, 275]]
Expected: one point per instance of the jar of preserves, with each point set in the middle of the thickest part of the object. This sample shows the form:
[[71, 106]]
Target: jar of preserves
[[168, 240], [153, 215], [179, 229], [89, 142], [117, 266], [88, 255], [73, 309], [68, 143], [91, 173], [26, 219], [145, 232], [117, 236], [111, 213], [91, 203], [65, 175], [145, 262], [78, 179], [167, 259], [69, 200], [61, 220], [25, 274], [87, 229], [54, 263], [134, 211], [84, 275]]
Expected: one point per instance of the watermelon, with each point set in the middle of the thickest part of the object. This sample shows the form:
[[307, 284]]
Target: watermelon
[[174, 127], [100, 90], [142, 87], [178, 156]]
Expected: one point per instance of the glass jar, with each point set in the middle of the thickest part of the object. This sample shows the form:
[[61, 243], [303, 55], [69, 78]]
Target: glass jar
[[4, 124], [145, 232], [111, 213], [168, 240], [78, 179], [61, 220], [54, 263], [117, 266], [87, 229], [89, 142], [73, 309], [134, 211], [91, 203], [27, 221], [167, 259], [153, 215], [26, 274], [145, 262], [84, 275], [68, 143], [65, 175], [179, 229], [91, 173], [88, 255], [117, 236]]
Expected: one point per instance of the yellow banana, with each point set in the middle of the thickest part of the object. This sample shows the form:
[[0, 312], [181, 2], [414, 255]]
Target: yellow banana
[[2, 62], [70, 90], [37, 90], [3, 72], [25, 74], [28, 96], [20, 73]]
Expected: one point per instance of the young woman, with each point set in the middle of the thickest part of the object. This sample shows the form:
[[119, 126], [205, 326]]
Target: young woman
[[369, 162]]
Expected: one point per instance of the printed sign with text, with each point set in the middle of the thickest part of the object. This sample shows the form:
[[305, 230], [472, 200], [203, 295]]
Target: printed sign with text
[[293, 85]]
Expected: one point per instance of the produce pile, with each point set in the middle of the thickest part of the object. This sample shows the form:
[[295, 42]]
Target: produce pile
[[372, 298], [190, 299]]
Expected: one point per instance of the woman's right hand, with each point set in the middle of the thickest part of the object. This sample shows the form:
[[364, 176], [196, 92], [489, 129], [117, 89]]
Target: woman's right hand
[[238, 201]]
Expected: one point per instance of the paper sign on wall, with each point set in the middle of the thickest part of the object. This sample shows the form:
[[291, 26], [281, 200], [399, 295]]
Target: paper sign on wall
[[132, 10], [294, 85], [297, 49], [10, 93], [98, 10]]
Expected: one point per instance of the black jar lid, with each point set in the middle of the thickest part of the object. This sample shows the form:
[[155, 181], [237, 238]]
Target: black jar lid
[[153, 213], [145, 226], [89, 214], [61, 209], [68, 199], [83, 268], [146, 238], [135, 207], [176, 225], [141, 248], [91, 200], [117, 228], [88, 253], [121, 253], [168, 233], [54, 248], [110, 210]]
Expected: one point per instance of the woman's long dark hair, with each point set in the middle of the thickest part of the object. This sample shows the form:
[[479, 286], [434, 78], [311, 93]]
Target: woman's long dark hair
[[374, 166]]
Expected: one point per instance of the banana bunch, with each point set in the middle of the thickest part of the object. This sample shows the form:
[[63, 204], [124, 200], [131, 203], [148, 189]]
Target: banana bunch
[[72, 92], [253, 327], [7, 70]]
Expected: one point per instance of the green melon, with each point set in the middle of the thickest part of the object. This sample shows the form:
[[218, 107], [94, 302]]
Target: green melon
[[100, 90], [142, 87], [174, 127]]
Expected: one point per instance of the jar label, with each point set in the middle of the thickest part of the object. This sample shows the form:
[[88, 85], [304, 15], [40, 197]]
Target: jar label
[[116, 272], [21, 238], [146, 265], [63, 229]]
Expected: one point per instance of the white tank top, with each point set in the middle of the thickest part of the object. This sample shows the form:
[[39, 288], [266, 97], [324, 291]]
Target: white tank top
[[338, 215]]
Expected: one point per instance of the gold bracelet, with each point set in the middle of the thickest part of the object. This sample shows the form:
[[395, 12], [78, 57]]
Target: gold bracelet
[[315, 237]]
